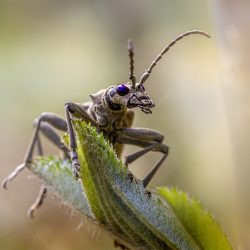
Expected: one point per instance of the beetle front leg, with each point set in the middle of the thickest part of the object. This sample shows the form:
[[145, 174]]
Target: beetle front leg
[[150, 140], [75, 110]]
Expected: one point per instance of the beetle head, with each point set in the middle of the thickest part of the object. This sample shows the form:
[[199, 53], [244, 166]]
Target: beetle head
[[127, 95]]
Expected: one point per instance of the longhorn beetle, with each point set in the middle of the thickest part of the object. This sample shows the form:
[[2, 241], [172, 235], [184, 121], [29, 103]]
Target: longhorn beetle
[[110, 111]]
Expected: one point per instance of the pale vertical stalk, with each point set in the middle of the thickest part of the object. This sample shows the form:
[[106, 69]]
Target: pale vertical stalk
[[233, 28]]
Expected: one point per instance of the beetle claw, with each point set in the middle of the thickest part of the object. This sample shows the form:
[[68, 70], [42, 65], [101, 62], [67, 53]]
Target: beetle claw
[[76, 168]]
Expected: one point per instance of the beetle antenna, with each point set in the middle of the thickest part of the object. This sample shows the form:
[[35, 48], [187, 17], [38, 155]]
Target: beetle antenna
[[131, 62], [147, 73]]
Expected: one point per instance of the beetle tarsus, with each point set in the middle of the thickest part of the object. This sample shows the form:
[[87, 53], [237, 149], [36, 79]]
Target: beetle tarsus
[[76, 168], [130, 176], [38, 202], [13, 174]]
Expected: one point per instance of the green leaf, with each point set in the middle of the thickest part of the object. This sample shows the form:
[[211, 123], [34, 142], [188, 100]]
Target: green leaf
[[129, 212], [198, 221], [105, 194], [57, 174]]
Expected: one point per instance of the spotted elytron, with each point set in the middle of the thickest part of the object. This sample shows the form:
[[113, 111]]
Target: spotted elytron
[[110, 111]]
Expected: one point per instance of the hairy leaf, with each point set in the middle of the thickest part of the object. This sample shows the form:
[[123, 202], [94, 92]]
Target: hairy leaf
[[135, 217], [198, 221], [57, 174]]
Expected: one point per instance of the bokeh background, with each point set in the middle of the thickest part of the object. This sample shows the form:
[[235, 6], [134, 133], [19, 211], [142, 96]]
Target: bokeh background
[[57, 51]]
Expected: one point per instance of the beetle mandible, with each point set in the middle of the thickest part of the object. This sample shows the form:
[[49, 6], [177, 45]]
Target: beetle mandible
[[110, 111]]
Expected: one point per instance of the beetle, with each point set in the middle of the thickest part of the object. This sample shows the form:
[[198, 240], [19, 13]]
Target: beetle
[[111, 112]]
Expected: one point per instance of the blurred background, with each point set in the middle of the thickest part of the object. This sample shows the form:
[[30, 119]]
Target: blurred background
[[57, 51]]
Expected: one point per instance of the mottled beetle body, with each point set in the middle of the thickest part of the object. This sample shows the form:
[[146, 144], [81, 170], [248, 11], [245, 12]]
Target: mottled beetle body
[[110, 111]]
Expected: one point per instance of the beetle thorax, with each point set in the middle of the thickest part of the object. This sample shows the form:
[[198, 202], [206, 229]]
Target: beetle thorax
[[108, 116]]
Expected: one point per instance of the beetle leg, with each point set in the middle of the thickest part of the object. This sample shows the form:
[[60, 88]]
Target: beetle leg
[[134, 156], [52, 120], [48, 131], [12, 175], [154, 169], [150, 140], [56, 122], [38, 202], [76, 111], [50, 134], [39, 146]]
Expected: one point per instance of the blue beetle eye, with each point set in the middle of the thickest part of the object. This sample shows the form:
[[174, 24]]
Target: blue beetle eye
[[122, 90]]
